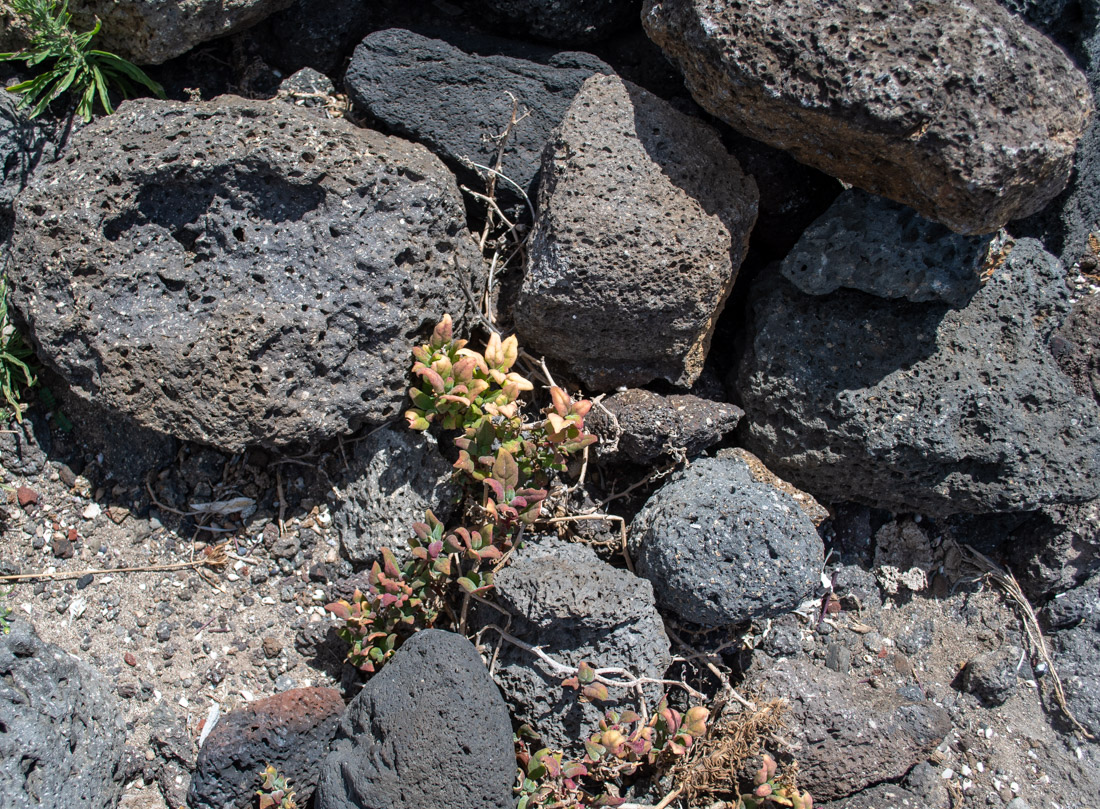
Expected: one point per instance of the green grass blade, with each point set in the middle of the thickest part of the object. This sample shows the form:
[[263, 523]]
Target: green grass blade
[[101, 86], [118, 64]]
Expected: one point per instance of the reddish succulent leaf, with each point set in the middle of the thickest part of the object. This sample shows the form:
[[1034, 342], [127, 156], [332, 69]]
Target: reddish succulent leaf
[[561, 401], [341, 609], [506, 470], [596, 691]]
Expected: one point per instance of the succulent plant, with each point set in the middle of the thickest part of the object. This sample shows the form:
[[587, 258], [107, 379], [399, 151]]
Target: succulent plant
[[770, 790], [622, 745], [275, 791], [503, 466]]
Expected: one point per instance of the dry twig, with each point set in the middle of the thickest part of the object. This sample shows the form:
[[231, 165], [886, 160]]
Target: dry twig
[[1033, 634]]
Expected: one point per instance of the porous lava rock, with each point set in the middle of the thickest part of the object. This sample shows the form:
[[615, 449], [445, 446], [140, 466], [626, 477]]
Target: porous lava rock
[[429, 731], [290, 731], [62, 737], [1076, 345], [960, 110], [456, 101], [722, 547], [887, 249], [1076, 645], [644, 219], [851, 735], [238, 272], [920, 407], [566, 600], [1050, 551], [566, 21], [642, 426], [153, 31], [992, 675], [396, 475]]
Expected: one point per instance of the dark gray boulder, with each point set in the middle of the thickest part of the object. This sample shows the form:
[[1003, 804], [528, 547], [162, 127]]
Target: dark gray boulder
[[642, 426], [238, 272], [290, 731], [1076, 645], [429, 731], [1076, 345], [900, 102], [62, 737], [454, 101], [575, 607], [850, 735], [1068, 226], [885, 248], [153, 31], [397, 474], [922, 788], [919, 407], [568, 21], [644, 218], [1057, 548], [722, 547], [1050, 551]]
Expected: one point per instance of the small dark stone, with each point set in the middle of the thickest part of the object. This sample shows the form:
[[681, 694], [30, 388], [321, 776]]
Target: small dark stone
[[286, 546], [84, 581], [271, 647], [991, 676], [838, 657], [62, 547], [127, 690], [164, 632]]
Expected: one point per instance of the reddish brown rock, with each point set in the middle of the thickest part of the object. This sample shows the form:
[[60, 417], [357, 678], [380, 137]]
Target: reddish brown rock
[[289, 731], [26, 496]]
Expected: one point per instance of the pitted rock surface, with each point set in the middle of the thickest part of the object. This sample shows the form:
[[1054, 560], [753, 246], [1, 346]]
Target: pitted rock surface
[[290, 731], [566, 599], [429, 731], [455, 102], [901, 102], [644, 219], [153, 31], [62, 738], [851, 735], [238, 272], [1076, 346], [887, 249], [642, 426], [919, 407], [1076, 646], [722, 547], [396, 475]]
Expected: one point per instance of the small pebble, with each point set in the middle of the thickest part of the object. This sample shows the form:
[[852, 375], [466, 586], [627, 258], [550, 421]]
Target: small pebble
[[92, 511], [130, 659], [26, 496], [84, 581], [271, 647]]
